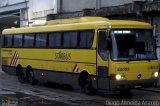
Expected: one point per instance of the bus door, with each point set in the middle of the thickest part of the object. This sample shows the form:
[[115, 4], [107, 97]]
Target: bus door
[[102, 60]]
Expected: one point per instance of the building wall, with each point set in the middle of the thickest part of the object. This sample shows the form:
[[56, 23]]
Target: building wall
[[37, 12], [107, 3], [10, 11], [30, 11], [156, 23], [78, 5], [10, 2]]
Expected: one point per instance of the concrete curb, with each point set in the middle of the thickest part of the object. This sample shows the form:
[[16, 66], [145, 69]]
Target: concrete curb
[[156, 90]]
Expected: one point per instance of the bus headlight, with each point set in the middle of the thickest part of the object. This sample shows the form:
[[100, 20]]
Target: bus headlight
[[118, 77], [155, 74]]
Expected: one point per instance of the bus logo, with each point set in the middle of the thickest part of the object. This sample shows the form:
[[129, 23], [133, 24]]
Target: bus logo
[[15, 59], [76, 68]]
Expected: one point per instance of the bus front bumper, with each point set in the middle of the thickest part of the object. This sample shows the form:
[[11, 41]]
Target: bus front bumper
[[125, 84]]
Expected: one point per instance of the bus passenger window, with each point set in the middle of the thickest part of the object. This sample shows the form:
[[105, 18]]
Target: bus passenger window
[[66, 39], [7, 40], [29, 40], [52, 39], [55, 39], [74, 39], [18, 40], [102, 45], [41, 39], [86, 39], [70, 39]]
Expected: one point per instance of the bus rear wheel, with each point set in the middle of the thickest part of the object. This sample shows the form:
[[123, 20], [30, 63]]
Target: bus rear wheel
[[20, 74], [30, 76]]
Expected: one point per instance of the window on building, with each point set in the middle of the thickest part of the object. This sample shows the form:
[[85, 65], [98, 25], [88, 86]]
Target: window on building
[[18, 40], [29, 40], [41, 39]]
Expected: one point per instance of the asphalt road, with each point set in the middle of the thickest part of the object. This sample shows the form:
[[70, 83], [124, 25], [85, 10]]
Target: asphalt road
[[13, 93]]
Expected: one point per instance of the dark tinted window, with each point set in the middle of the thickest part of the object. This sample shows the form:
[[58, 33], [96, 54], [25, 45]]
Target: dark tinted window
[[66, 39], [102, 42], [41, 39], [86, 39], [74, 39], [18, 40], [55, 39], [7, 40], [29, 40], [70, 39], [102, 45]]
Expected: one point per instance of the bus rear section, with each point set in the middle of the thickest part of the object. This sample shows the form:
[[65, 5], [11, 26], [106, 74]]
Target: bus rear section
[[133, 59]]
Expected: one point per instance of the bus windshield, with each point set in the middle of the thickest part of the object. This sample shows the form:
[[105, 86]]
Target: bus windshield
[[132, 45]]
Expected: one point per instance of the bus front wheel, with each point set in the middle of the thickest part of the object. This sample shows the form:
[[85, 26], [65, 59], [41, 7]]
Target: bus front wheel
[[85, 83]]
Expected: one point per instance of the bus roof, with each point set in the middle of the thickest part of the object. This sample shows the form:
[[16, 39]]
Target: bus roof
[[79, 24]]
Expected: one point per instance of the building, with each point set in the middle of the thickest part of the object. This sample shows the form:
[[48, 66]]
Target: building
[[21, 13], [38, 11], [79, 5], [10, 12]]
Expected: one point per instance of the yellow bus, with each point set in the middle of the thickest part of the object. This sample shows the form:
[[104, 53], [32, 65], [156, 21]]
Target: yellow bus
[[86, 52]]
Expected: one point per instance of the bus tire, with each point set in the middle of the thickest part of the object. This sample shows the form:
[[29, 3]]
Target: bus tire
[[31, 77], [20, 74], [85, 83]]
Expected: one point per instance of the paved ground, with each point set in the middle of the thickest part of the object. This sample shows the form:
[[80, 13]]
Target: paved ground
[[12, 93]]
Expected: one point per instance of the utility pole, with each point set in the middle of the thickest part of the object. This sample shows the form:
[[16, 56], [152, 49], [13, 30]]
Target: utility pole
[[98, 4], [27, 12]]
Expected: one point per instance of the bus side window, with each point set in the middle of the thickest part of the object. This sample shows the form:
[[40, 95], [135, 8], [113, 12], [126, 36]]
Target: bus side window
[[55, 39], [28, 40], [66, 39], [86, 39], [7, 40], [51, 40], [102, 45], [2, 41], [18, 40], [70, 39], [41, 39], [74, 39]]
